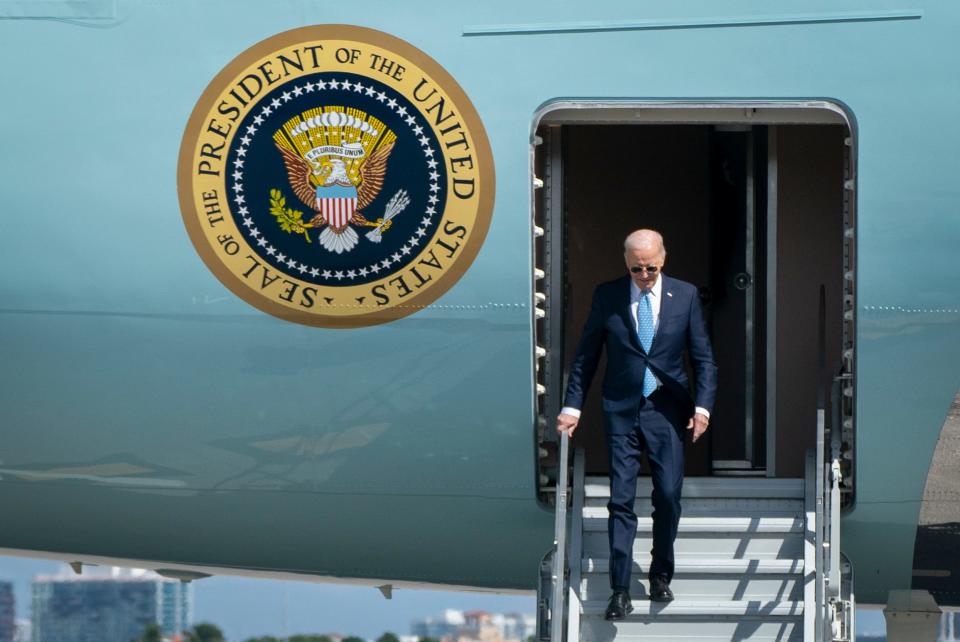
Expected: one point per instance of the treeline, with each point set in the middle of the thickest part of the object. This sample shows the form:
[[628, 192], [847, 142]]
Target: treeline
[[303, 637], [204, 632], [207, 632], [386, 637]]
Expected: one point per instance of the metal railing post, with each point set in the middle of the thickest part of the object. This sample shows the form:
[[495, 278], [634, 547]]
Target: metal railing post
[[820, 530], [557, 600], [833, 590]]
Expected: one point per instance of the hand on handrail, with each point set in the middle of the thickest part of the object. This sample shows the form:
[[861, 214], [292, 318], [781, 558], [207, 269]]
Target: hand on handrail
[[566, 424]]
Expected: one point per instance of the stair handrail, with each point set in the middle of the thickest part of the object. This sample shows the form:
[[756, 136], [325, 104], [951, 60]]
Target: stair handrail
[[833, 535], [557, 602], [822, 497], [575, 546], [821, 532], [831, 607], [840, 602], [832, 616]]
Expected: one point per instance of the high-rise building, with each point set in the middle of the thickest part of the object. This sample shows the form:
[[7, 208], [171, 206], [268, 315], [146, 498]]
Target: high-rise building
[[177, 614], [8, 623], [115, 608]]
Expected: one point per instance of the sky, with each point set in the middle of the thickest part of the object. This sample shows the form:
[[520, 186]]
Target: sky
[[870, 622], [245, 608]]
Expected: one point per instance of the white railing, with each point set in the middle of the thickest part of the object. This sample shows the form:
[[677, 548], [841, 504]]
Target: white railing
[[834, 604], [834, 609], [557, 602], [575, 550], [821, 521]]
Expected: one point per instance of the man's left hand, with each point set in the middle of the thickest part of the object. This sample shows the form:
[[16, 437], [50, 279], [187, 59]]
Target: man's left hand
[[698, 424]]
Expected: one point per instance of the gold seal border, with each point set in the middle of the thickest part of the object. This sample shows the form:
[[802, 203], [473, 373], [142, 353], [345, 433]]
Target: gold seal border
[[433, 69]]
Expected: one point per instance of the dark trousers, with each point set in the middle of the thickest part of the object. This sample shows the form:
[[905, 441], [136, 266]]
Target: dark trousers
[[659, 430]]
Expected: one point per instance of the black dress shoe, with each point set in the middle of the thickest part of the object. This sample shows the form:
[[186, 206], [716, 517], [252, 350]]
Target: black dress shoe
[[619, 606], [660, 589]]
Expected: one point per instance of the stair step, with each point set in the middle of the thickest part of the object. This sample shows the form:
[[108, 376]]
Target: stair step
[[717, 487], [732, 506], [742, 546], [680, 629], [758, 609], [768, 580], [711, 587], [595, 519], [706, 565]]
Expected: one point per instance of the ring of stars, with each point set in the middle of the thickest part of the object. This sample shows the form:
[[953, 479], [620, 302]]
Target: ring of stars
[[257, 238]]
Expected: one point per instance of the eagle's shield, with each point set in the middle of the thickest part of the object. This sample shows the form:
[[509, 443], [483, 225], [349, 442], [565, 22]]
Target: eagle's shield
[[337, 203]]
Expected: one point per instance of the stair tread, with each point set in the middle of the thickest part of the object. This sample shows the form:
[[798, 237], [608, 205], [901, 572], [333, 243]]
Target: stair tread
[[693, 629], [711, 487], [688, 565], [593, 520], [718, 512], [704, 507], [706, 608]]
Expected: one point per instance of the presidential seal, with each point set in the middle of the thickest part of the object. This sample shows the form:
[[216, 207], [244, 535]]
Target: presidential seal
[[336, 176]]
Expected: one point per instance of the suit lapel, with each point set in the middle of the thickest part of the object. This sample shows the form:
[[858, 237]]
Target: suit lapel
[[628, 320], [666, 301]]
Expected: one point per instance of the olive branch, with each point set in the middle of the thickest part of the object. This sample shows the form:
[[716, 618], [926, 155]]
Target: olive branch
[[290, 220]]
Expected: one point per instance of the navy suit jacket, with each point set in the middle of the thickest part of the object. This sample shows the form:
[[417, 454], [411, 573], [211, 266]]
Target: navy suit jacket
[[610, 324]]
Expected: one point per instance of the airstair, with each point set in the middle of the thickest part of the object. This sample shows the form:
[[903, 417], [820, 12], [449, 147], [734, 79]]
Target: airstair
[[756, 559]]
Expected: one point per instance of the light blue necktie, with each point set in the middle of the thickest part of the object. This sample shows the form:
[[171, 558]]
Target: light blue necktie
[[645, 334]]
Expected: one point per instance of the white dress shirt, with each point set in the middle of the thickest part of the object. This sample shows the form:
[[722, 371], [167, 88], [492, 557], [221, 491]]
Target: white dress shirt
[[656, 296]]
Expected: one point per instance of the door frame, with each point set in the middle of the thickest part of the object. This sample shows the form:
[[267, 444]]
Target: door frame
[[548, 351]]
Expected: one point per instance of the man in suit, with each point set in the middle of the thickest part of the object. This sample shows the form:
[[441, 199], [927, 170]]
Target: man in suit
[[645, 320]]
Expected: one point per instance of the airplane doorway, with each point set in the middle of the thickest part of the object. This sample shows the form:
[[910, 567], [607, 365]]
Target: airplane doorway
[[755, 215]]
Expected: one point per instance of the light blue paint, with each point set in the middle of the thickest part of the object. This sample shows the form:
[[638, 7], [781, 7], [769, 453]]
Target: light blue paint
[[58, 9]]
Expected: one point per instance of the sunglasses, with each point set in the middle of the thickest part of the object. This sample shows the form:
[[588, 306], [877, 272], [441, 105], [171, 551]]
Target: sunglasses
[[650, 269]]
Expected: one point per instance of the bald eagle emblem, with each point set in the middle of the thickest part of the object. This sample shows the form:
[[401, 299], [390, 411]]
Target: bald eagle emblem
[[336, 161]]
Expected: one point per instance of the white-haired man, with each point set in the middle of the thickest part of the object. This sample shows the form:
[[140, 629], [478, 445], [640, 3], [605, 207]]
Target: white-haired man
[[645, 320]]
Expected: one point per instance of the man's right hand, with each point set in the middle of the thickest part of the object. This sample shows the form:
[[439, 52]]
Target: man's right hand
[[567, 424]]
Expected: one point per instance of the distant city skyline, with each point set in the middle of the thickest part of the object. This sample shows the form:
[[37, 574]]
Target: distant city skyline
[[246, 607], [475, 624]]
